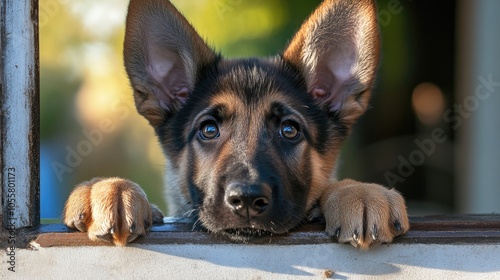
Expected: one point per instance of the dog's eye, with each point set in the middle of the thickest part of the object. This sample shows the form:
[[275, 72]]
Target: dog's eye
[[209, 130], [289, 130]]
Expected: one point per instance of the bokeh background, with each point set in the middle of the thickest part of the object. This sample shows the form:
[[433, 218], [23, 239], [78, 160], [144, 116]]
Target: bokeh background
[[435, 55]]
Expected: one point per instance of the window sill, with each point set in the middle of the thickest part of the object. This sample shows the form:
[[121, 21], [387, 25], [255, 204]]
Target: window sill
[[450, 229], [444, 247]]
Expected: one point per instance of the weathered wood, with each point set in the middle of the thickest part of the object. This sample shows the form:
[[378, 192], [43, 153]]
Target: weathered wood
[[19, 97], [425, 230]]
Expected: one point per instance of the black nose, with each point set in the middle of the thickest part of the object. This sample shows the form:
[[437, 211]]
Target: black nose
[[248, 200]]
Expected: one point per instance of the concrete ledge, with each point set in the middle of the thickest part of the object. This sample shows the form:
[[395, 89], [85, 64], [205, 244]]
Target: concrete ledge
[[447, 247], [232, 261]]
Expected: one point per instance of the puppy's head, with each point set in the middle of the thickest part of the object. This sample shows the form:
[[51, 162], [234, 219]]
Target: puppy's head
[[252, 143]]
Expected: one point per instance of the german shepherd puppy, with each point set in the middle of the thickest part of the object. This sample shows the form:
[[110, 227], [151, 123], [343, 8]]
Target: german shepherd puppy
[[251, 144]]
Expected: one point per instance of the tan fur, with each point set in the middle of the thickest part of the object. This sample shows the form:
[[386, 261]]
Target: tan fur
[[363, 213], [113, 209], [77, 212], [322, 167], [227, 100]]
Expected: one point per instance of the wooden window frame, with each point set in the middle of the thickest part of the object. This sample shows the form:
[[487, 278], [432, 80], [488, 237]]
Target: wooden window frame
[[20, 203]]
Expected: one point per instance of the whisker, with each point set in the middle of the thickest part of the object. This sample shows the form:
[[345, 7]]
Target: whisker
[[196, 223]]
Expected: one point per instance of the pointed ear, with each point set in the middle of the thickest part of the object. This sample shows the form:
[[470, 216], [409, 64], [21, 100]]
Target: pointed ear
[[162, 54], [337, 51]]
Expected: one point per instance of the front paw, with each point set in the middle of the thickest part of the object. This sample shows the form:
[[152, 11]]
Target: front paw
[[364, 214], [111, 209]]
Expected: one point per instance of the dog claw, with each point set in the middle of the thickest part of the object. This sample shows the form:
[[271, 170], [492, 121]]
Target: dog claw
[[354, 243], [397, 225], [132, 228], [375, 233], [337, 232], [106, 237], [80, 226], [80, 223], [355, 236], [132, 237]]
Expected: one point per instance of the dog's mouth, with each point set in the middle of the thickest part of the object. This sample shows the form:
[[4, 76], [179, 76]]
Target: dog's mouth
[[229, 225], [246, 234], [252, 233], [248, 231]]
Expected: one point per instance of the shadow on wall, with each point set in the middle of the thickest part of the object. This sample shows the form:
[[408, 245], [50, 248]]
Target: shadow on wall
[[304, 260]]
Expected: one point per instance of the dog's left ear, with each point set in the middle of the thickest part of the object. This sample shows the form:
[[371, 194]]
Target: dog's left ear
[[337, 51], [163, 55]]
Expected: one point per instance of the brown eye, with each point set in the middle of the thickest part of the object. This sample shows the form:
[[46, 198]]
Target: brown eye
[[209, 130], [289, 130]]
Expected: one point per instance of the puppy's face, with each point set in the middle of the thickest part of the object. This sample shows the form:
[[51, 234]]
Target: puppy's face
[[251, 144], [255, 148]]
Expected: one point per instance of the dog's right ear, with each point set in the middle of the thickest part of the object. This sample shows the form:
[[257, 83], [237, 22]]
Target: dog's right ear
[[162, 54], [337, 51]]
